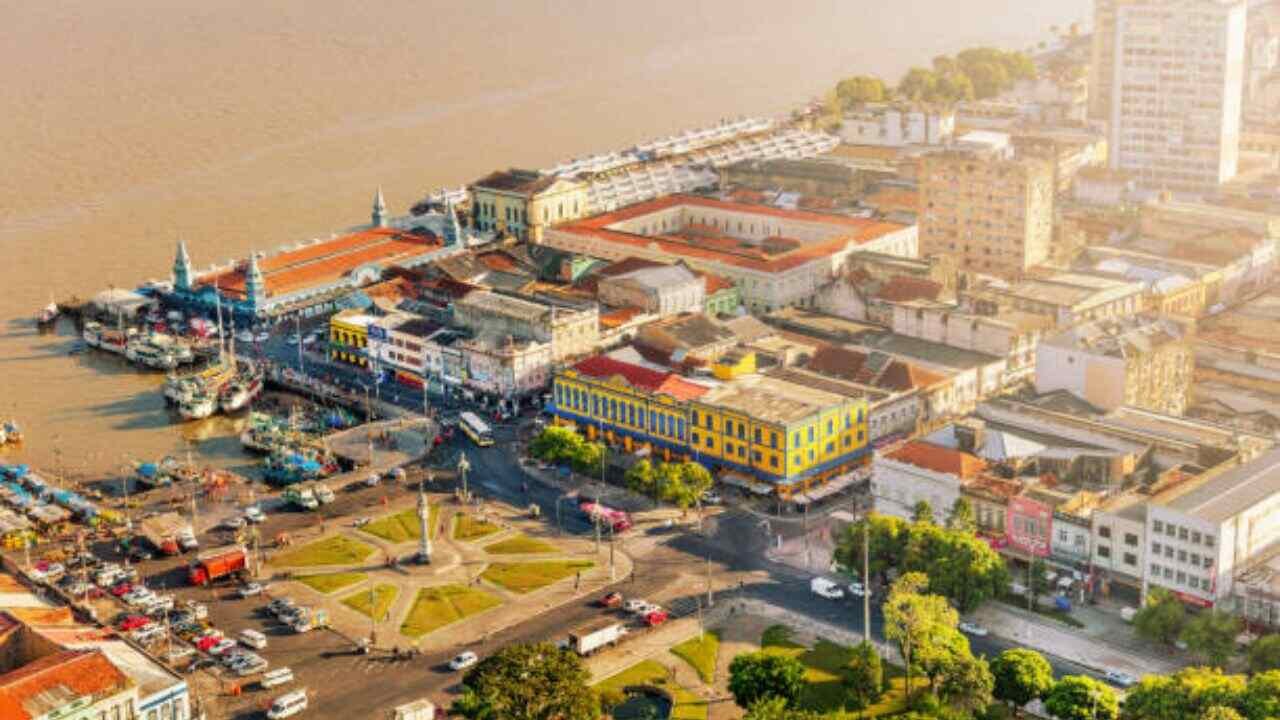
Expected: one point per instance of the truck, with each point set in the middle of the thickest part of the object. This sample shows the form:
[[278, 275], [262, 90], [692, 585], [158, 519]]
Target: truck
[[618, 520], [303, 496], [214, 565], [416, 710], [165, 531], [322, 493], [595, 635], [307, 619]]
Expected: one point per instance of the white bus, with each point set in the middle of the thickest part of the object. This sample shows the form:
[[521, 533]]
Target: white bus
[[476, 429]]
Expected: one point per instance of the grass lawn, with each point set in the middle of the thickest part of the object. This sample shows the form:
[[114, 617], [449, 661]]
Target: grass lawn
[[529, 576], [700, 652], [383, 595], [402, 526], [335, 550], [823, 691], [520, 545], [330, 582], [687, 705], [436, 607], [469, 527]]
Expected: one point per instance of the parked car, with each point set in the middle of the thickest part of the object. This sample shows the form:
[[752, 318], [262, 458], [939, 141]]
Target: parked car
[[636, 606], [254, 514], [856, 589], [828, 589], [133, 622], [199, 610], [464, 661], [122, 589], [972, 629], [179, 652], [1121, 679], [711, 498], [612, 600], [250, 590], [361, 521], [656, 617], [372, 479], [233, 523], [222, 646]]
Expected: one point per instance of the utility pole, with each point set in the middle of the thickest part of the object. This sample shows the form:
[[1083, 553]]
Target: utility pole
[[613, 572], [297, 330], [805, 525], [368, 424], [866, 583]]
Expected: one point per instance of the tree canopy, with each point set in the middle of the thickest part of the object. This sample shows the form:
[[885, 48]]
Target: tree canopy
[[1264, 654], [758, 676], [528, 682], [561, 445], [860, 89], [680, 484], [1162, 618], [864, 678], [1021, 675], [976, 73], [1211, 636], [1078, 697], [1187, 693]]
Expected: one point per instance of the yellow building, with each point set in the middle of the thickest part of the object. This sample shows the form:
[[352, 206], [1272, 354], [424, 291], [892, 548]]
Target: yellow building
[[524, 202], [759, 426], [349, 337]]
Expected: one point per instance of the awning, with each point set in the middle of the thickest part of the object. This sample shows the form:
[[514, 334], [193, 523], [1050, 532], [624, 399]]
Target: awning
[[742, 481], [800, 499]]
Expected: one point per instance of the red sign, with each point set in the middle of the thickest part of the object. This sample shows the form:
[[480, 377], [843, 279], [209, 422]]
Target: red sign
[[1193, 600], [1029, 526]]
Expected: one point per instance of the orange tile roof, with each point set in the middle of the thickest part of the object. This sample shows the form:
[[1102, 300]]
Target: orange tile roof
[[644, 378], [49, 682], [715, 283], [11, 584], [938, 459], [903, 288], [325, 262], [621, 316], [855, 230]]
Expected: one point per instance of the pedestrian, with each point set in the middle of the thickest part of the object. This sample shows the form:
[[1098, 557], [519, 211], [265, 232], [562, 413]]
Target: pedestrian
[[577, 580]]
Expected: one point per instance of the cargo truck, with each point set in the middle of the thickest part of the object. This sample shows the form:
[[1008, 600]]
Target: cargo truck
[[164, 532], [302, 496], [216, 564], [595, 635]]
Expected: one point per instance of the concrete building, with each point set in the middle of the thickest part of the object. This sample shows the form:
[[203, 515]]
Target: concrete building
[[505, 367], [78, 685], [1176, 86], [896, 125], [349, 337], [816, 177], [1067, 297], [664, 290], [571, 331], [398, 343], [921, 472], [1070, 149], [776, 258], [1103, 186], [992, 212], [523, 203], [1119, 545], [1138, 361], [1202, 534], [1012, 334]]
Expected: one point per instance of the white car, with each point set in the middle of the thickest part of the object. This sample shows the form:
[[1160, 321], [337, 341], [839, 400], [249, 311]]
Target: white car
[[856, 589], [711, 498], [361, 521], [309, 339], [233, 523], [250, 590], [372, 480], [1122, 679], [254, 514], [293, 339], [139, 597], [823, 587], [223, 647], [263, 336], [245, 336], [972, 629], [636, 606], [463, 661]]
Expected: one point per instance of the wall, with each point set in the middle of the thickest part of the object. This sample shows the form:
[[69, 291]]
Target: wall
[[896, 487]]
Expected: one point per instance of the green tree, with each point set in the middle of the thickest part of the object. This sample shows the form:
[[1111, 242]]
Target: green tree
[[640, 478], [887, 538], [860, 89], [1021, 676], [1262, 696], [1264, 654], [1077, 697], [1185, 694], [1162, 618], [918, 84], [556, 444], [528, 682], [776, 709], [916, 622], [967, 684], [1221, 712], [989, 79], [588, 459], [685, 483], [757, 676], [1039, 581], [1211, 636], [960, 518], [864, 677], [922, 512]]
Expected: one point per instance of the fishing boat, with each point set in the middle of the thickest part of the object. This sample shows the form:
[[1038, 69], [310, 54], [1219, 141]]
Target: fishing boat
[[48, 314], [155, 474], [240, 392], [10, 432], [96, 336], [286, 466], [199, 406], [142, 352], [175, 346]]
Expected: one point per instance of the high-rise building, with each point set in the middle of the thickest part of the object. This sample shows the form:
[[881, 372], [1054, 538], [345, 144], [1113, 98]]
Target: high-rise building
[[1176, 83], [989, 210], [1102, 61]]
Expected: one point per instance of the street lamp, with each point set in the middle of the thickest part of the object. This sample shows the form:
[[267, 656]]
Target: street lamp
[[463, 467]]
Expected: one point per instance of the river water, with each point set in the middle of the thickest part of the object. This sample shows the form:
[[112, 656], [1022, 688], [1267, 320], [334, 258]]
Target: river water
[[246, 124]]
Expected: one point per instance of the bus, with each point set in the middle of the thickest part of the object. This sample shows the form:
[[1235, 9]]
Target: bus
[[476, 429]]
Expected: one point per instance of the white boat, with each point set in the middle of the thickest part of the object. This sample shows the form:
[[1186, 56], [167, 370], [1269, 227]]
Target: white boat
[[178, 348], [48, 314], [239, 393], [146, 354], [198, 407]]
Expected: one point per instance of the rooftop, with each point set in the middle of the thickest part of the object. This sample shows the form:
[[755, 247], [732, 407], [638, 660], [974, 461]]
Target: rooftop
[[771, 399], [1229, 493], [938, 459], [874, 369], [53, 681], [1120, 337], [643, 378], [523, 182]]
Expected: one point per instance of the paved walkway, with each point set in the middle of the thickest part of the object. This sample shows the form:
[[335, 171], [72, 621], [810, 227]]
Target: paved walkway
[[1097, 646]]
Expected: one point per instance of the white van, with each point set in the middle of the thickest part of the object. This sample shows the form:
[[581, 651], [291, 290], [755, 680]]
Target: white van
[[279, 676], [288, 705], [252, 639]]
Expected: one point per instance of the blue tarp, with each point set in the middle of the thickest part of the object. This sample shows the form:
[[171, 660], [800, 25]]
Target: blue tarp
[[148, 470], [14, 471]]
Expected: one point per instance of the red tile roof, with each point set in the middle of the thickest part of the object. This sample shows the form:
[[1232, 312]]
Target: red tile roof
[[904, 288], [938, 459], [715, 283], [641, 377], [53, 680], [620, 316], [851, 365], [325, 262], [730, 251]]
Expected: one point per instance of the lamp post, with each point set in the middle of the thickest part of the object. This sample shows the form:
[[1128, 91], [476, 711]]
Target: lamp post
[[463, 467]]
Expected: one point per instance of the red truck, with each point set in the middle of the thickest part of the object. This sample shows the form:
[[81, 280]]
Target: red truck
[[214, 565]]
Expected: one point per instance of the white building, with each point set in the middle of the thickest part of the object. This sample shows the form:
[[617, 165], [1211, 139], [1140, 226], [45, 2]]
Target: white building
[[506, 367], [1201, 535], [1118, 539], [1176, 95], [1013, 335], [920, 471], [664, 291], [892, 125]]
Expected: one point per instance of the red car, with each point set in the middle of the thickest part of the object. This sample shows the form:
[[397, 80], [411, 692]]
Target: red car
[[611, 600], [122, 589], [656, 618], [208, 641], [133, 622]]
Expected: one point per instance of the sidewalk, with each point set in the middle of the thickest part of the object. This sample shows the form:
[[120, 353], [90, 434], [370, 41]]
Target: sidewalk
[[1099, 646]]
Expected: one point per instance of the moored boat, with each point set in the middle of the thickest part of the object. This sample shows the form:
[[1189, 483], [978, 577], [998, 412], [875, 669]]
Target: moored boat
[[143, 352], [10, 432], [239, 393], [48, 314], [197, 407]]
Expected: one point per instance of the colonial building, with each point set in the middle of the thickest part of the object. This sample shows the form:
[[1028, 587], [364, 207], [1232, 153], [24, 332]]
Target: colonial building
[[921, 472], [571, 330], [523, 203], [775, 257], [663, 290], [505, 367]]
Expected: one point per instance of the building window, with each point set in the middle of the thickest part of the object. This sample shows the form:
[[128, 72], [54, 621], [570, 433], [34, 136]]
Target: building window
[[1131, 559], [1194, 582], [728, 448], [1155, 570], [1208, 541], [1182, 578], [1104, 531], [1195, 538], [695, 438], [728, 427], [1104, 551], [1168, 551], [694, 417], [773, 461], [1195, 559], [773, 440], [1170, 530], [758, 434], [1182, 534], [1131, 540], [1155, 548], [1182, 556], [1208, 561], [811, 433], [1168, 573], [742, 451]]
